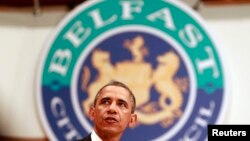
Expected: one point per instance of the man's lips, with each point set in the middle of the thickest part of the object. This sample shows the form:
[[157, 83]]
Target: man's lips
[[111, 120]]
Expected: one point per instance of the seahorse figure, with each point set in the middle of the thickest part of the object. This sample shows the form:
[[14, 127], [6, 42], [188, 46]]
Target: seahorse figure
[[170, 95], [170, 100]]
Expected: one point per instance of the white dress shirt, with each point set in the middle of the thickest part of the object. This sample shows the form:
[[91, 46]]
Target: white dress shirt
[[95, 137]]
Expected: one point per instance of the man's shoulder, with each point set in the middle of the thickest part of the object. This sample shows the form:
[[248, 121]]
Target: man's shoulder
[[87, 138]]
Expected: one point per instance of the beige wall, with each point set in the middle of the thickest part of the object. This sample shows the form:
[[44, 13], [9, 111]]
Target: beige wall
[[23, 35]]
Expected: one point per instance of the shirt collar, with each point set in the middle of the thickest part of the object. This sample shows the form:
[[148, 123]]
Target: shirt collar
[[95, 137]]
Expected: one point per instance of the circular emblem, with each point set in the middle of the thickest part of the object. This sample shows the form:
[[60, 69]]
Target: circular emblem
[[162, 51]]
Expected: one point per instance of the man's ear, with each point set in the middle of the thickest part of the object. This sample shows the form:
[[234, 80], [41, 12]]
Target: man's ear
[[133, 120], [92, 113]]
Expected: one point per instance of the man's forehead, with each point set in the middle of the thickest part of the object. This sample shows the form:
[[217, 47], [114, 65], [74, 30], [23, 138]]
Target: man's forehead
[[114, 92], [115, 89]]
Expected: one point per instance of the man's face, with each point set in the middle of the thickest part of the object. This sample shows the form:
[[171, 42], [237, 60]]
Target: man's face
[[112, 112]]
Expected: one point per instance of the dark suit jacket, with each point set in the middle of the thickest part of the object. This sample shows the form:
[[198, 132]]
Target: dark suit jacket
[[87, 138]]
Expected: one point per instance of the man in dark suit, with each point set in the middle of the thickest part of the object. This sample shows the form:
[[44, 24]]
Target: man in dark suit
[[87, 138], [112, 112]]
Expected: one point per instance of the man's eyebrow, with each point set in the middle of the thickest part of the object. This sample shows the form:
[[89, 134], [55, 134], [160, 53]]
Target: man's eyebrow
[[105, 98]]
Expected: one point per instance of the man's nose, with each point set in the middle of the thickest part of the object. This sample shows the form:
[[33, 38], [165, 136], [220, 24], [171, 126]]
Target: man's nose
[[112, 108]]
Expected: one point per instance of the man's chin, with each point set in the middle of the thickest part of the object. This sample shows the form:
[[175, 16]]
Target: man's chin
[[111, 129]]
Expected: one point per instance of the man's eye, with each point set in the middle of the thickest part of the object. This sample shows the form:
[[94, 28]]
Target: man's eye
[[122, 105], [105, 102]]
